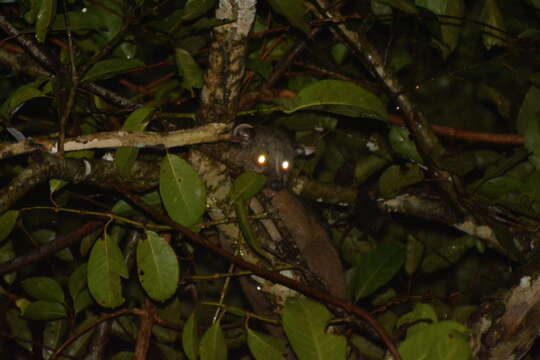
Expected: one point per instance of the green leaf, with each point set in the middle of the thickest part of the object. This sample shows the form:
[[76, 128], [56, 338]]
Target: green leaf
[[44, 310], [77, 281], [402, 143], [367, 348], [265, 347], [395, 178], [82, 301], [415, 250], [157, 266], [445, 340], [304, 322], [108, 68], [196, 8], [19, 329], [246, 186], [421, 313], [451, 28], [7, 223], [7, 253], [190, 337], [293, 11], [528, 124], [376, 268], [491, 15], [339, 97], [182, 191], [43, 288], [125, 157], [105, 267], [44, 18], [213, 346], [188, 70], [18, 98]]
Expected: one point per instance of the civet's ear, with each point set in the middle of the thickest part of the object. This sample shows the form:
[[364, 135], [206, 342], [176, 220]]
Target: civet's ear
[[243, 134], [303, 150]]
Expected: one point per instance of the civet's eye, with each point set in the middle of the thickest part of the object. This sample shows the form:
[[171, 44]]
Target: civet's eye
[[285, 165], [261, 160]]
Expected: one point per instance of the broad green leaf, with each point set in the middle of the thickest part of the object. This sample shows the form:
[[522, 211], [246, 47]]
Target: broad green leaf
[[304, 322], [182, 191], [528, 124], [265, 347], [77, 280], [293, 11], [19, 329], [402, 144], [491, 15], [18, 98], [213, 346], [125, 157], [445, 340], [339, 97], [78, 20], [43, 288], [188, 70], [421, 311], [108, 68], [246, 186], [190, 337], [44, 310], [44, 18], [196, 8], [7, 223], [395, 178], [157, 267], [53, 335], [367, 348], [376, 268], [105, 267]]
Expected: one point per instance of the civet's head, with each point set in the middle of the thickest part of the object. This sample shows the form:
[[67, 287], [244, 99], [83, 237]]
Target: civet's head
[[265, 150]]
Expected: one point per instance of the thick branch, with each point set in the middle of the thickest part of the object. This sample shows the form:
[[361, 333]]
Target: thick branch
[[144, 176], [116, 139]]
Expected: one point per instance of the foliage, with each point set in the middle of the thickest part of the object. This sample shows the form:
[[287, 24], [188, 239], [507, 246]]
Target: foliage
[[470, 66]]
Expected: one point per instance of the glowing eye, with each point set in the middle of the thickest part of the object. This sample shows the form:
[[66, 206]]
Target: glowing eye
[[285, 165], [261, 160]]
